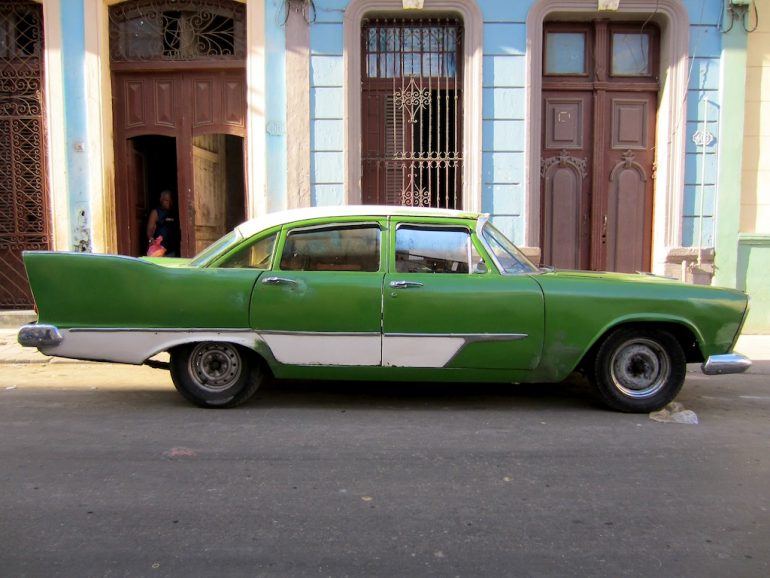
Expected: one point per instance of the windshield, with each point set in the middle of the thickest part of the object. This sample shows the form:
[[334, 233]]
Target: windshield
[[216, 248], [507, 255]]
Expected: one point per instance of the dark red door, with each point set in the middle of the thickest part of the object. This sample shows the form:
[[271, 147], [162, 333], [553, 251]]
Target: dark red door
[[599, 104]]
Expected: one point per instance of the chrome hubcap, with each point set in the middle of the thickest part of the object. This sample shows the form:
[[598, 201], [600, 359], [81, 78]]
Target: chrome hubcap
[[640, 368], [215, 366]]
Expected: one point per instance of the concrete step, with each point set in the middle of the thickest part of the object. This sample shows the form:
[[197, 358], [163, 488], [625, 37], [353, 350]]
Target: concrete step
[[15, 319]]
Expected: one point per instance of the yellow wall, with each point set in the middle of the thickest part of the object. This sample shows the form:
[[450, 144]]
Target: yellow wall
[[755, 202]]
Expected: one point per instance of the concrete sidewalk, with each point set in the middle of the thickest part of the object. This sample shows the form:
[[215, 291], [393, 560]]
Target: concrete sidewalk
[[756, 347]]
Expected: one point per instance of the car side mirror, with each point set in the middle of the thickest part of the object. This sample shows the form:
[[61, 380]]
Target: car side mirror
[[480, 267]]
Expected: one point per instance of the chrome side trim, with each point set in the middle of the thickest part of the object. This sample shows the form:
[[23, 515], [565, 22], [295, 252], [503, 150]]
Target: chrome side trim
[[467, 337], [727, 363], [323, 333], [154, 330], [39, 336]]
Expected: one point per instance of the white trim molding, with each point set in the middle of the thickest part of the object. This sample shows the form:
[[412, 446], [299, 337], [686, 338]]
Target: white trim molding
[[473, 23], [58, 192], [671, 127]]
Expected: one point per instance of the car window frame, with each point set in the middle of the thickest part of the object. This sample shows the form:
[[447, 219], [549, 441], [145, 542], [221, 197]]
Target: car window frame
[[243, 245], [480, 224], [247, 247], [438, 223], [327, 223]]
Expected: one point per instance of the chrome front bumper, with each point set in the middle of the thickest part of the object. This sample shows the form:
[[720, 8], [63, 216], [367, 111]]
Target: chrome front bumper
[[39, 335], [727, 363]]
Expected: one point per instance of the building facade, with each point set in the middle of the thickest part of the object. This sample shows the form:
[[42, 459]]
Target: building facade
[[603, 135], [754, 237]]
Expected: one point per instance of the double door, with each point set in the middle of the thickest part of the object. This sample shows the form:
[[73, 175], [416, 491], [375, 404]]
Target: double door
[[599, 101], [182, 131]]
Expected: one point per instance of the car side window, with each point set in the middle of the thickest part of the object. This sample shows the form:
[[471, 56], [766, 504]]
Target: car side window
[[256, 256], [333, 248], [421, 249]]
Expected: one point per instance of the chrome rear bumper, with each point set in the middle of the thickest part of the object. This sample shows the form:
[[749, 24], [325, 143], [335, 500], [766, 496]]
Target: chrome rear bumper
[[727, 363], [39, 335]]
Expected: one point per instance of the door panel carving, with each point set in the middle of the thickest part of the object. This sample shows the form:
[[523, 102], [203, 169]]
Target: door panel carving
[[626, 216], [563, 176], [164, 103], [629, 124], [234, 103], [203, 102], [134, 91], [564, 123]]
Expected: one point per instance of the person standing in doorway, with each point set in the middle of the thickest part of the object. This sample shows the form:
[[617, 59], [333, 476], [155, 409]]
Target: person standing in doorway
[[163, 224]]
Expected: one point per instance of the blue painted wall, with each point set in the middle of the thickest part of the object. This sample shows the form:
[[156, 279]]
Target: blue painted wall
[[275, 105], [75, 125], [504, 105], [703, 108], [327, 130], [503, 110]]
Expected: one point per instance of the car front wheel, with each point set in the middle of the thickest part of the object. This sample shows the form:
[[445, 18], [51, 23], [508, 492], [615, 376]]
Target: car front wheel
[[215, 374], [639, 370]]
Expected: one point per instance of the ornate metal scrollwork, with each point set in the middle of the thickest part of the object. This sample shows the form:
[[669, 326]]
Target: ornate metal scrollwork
[[147, 30], [412, 99], [23, 195]]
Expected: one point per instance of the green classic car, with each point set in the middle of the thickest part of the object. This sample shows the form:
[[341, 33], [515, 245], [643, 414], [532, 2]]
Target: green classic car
[[386, 293]]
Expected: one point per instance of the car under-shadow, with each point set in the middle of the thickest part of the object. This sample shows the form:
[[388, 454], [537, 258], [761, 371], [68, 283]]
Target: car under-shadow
[[573, 393]]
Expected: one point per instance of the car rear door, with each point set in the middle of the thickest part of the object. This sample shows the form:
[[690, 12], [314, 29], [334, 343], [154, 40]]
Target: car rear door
[[321, 304], [443, 306]]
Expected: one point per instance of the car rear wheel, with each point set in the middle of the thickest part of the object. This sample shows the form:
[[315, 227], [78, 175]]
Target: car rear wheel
[[215, 374], [639, 370]]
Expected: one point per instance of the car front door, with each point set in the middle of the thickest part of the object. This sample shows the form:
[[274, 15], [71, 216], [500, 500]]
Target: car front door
[[443, 306], [321, 304]]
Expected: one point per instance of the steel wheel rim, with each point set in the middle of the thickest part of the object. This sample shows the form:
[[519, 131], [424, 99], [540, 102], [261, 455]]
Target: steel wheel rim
[[640, 368], [215, 367]]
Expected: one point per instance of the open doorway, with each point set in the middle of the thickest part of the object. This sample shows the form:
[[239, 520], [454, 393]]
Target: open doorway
[[152, 169]]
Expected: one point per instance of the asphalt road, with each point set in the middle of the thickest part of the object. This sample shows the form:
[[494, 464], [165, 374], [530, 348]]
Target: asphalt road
[[106, 471]]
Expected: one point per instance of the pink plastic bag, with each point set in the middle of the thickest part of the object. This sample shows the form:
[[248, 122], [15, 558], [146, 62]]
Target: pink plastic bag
[[156, 249]]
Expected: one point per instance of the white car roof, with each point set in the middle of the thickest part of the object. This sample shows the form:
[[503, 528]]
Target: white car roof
[[278, 218]]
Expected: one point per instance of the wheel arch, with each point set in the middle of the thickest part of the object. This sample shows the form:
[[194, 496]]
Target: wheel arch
[[247, 340], [685, 333]]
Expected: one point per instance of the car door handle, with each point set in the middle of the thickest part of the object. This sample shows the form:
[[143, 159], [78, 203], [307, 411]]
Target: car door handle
[[279, 281], [405, 284]]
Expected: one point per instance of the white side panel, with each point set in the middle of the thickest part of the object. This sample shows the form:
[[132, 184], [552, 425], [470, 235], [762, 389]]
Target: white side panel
[[325, 349], [419, 351], [135, 346]]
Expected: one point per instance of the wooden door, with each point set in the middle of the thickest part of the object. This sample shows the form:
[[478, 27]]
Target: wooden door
[[209, 185], [599, 102], [191, 107], [136, 192]]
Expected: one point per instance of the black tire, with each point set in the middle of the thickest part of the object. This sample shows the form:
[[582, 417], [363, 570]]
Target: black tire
[[214, 374], [639, 370]]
